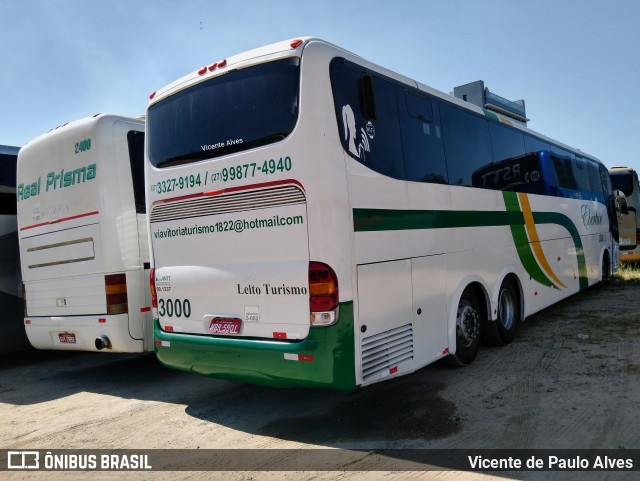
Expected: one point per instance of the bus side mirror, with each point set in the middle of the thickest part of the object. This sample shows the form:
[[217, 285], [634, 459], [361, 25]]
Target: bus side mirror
[[621, 202]]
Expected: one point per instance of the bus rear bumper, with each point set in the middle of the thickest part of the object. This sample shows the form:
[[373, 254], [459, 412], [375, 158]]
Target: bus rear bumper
[[79, 333], [325, 359], [630, 255]]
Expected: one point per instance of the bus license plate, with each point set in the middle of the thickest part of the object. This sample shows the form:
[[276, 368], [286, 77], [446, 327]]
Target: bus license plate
[[225, 326], [67, 337]]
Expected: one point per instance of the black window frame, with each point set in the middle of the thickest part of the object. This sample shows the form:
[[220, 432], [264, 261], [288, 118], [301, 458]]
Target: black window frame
[[135, 148], [563, 172], [205, 145]]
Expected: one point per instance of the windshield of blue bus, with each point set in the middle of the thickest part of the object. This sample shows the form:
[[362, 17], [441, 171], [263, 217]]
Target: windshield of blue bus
[[622, 180]]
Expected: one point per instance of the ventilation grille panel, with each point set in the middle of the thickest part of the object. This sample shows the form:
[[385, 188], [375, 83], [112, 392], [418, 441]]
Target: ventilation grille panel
[[227, 203], [386, 350]]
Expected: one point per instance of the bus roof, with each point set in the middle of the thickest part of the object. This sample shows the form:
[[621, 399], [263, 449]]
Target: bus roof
[[83, 122], [222, 65], [294, 47]]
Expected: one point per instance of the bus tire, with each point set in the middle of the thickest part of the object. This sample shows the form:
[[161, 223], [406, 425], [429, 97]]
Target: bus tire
[[468, 328], [502, 331]]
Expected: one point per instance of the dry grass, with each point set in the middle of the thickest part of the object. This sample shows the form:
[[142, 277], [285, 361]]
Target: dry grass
[[629, 273]]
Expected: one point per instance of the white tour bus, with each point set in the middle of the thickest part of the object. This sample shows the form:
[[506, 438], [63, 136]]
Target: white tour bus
[[13, 337], [625, 179], [318, 220], [83, 237]]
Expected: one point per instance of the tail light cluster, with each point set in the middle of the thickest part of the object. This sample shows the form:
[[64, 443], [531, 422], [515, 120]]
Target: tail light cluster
[[115, 287], [154, 294], [323, 294]]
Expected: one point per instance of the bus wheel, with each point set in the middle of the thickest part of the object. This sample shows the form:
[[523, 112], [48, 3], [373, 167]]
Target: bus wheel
[[468, 326], [503, 330]]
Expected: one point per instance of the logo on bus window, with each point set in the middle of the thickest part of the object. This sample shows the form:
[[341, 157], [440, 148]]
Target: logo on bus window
[[360, 148]]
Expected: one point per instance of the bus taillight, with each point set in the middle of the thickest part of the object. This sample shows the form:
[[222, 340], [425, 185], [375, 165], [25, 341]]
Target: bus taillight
[[115, 287], [154, 293], [323, 294], [152, 286]]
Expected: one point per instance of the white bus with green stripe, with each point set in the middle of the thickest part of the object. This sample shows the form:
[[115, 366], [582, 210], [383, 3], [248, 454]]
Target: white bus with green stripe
[[83, 240], [317, 220]]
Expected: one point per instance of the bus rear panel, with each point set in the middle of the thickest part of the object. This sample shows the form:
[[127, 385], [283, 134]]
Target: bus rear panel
[[83, 244]]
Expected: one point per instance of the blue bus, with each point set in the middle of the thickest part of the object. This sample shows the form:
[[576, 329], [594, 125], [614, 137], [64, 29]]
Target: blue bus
[[13, 336]]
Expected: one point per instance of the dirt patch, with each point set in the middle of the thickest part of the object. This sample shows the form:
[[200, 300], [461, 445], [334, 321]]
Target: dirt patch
[[569, 380], [405, 409]]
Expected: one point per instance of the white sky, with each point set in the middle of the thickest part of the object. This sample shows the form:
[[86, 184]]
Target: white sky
[[575, 62]]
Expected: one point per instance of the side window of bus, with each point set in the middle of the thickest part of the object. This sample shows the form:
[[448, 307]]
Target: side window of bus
[[506, 142], [421, 139], [595, 182], [135, 140], [367, 114], [605, 180], [466, 143], [533, 144], [508, 170], [581, 173], [624, 181], [563, 165], [524, 173]]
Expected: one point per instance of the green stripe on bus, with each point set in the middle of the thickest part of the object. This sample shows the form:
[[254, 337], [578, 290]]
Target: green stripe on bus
[[329, 356], [523, 247], [564, 221], [375, 220], [511, 202], [369, 220], [521, 241]]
